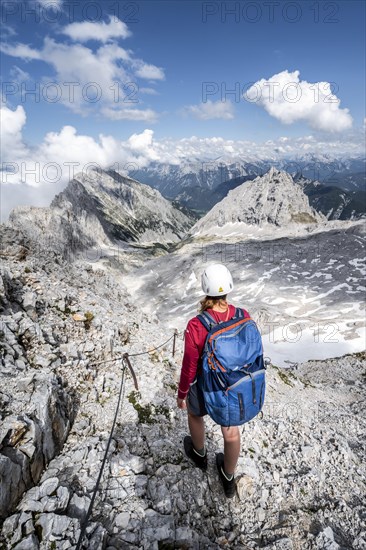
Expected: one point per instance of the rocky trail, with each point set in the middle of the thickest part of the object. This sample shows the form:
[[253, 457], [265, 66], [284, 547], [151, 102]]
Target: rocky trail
[[300, 478]]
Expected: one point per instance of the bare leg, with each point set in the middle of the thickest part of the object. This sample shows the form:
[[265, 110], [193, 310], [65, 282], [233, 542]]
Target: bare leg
[[231, 448], [197, 429]]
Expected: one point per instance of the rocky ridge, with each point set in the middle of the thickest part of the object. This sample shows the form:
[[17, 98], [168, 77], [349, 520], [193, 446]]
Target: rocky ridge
[[335, 202], [100, 208], [300, 478]]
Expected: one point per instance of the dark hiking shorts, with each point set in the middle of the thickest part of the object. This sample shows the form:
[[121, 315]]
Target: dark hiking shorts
[[195, 400]]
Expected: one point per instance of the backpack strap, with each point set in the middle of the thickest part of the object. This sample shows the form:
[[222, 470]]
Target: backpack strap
[[207, 321], [239, 313]]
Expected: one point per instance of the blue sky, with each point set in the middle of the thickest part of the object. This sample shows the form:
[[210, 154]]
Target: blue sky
[[193, 43]]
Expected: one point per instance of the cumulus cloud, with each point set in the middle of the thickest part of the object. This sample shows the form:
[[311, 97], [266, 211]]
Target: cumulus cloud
[[211, 110], [11, 139], [101, 31], [289, 99], [92, 80], [64, 153], [143, 145], [33, 175], [67, 146]]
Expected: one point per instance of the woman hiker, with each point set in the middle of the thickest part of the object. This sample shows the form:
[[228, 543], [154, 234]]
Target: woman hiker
[[216, 284]]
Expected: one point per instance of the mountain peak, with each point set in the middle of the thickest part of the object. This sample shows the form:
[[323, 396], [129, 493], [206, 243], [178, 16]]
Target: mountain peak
[[272, 171], [275, 173], [272, 199]]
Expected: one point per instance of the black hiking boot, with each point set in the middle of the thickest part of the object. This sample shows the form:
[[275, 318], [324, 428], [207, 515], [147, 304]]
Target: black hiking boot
[[200, 461], [229, 486]]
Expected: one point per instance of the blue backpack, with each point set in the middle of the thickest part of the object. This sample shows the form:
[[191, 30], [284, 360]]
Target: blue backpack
[[233, 370]]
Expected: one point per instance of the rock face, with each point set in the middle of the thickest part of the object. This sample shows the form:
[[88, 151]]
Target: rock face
[[36, 406], [273, 199], [332, 201], [126, 209], [30, 439], [100, 208]]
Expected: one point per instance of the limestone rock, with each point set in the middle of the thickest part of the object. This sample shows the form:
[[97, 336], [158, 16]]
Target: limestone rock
[[29, 301], [24, 452], [122, 520], [78, 507]]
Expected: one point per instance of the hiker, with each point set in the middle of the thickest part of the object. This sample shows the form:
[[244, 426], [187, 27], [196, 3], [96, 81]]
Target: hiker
[[216, 284]]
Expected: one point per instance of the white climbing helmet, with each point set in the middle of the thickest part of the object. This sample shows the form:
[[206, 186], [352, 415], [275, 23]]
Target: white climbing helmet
[[216, 280]]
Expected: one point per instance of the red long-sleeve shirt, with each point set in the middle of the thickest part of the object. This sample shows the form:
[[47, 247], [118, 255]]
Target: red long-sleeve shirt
[[194, 341]]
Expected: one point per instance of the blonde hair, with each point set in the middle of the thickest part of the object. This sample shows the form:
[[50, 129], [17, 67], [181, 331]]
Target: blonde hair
[[209, 301]]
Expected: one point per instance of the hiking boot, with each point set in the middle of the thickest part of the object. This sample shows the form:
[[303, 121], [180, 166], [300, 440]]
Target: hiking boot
[[200, 461], [229, 486]]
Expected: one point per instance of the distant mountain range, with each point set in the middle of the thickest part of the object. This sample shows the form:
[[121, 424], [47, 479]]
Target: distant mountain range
[[199, 185]]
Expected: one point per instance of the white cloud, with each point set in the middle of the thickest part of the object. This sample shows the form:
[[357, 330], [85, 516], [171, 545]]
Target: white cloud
[[289, 99], [149, 72], [146, 115], [176, 151], [101, 31], [53, 159], [68, 146], [22, 51], [11, 139], [91, 81], [211, 110], [18, 75], [7, 31], [143, 144]]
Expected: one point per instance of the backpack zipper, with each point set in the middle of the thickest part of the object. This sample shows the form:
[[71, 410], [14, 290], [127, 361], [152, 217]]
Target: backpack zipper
[[241, 323], [238, 382], [241, 406]]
